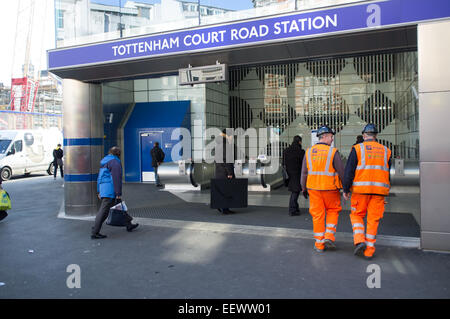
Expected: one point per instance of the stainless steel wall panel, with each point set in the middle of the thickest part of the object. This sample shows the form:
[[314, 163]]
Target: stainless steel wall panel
[[435, 241], [434, 99], [80, 198], [97, 153], [77, 159], [96, 111], [75, 105], [435, 190], [434, 62], [83, 121], [434, 115]]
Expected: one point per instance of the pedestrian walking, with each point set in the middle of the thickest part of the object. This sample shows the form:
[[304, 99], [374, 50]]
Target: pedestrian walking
[[292, 162], [3, 213], [109, 190], [57, 161], [322, 173], [367, 178], [157, 155], [224, 162]]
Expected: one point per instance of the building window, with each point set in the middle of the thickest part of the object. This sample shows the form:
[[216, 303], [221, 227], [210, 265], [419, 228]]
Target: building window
[[106, 25], [60, 19], [145, 13]]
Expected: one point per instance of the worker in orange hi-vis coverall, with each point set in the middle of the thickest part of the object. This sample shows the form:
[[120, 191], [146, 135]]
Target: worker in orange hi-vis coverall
[[367, 177], [322, 172]]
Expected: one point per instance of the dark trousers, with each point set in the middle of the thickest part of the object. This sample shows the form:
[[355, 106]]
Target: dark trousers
[[56, 169], [293, 202], [3, 214], [103, 212], [158, 182]]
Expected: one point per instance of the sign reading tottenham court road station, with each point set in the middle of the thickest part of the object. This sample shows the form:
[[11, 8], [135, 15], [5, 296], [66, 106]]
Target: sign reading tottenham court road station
[[348, 18]]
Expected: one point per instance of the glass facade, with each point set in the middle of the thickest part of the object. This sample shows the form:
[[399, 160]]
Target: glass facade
[[344, 93], [209, 104]]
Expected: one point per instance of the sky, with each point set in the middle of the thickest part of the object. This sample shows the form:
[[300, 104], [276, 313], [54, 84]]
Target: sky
[[43, 38], [12, 55]]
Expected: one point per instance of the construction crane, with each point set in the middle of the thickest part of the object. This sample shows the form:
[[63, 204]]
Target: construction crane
[[24, 85]]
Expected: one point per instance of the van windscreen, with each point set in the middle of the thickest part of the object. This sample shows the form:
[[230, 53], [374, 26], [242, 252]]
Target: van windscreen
[[4, 145]]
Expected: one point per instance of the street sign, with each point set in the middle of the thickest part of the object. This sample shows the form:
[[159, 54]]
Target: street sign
[[202, 74]]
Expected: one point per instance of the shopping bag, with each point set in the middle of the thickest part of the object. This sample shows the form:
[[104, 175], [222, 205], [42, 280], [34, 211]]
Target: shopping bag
[[5, 200], [118, 216]]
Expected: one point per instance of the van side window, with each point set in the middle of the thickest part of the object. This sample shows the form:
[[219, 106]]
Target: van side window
[[18, 146]]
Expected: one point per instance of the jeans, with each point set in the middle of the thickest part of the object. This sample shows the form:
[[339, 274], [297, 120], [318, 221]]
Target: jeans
[[56, 170], [293, 202], [158, 182]]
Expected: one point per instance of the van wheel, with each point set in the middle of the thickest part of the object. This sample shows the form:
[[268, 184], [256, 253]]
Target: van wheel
[[51, 169], [5, 173]]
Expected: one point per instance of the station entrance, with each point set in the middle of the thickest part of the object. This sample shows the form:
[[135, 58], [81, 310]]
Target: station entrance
[[289, 99]]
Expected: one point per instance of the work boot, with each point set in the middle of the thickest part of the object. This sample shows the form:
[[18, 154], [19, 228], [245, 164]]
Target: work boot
[[359, 249], [318, 249], [329, 244], [368, 253]]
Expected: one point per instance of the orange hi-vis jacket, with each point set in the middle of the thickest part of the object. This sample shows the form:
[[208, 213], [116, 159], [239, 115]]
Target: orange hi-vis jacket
[[372, 172], [321, 173]]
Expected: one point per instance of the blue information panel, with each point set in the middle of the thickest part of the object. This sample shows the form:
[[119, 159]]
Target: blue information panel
[[349, 18]]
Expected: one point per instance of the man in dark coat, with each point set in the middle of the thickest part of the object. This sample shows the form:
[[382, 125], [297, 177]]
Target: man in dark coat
[[57, 160], [292, 162], [224, 162], [157, 158]]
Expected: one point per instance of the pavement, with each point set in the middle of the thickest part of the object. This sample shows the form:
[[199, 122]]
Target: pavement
[[205, 256]]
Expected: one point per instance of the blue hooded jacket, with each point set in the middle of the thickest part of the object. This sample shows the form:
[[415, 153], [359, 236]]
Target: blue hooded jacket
[[109, 181]]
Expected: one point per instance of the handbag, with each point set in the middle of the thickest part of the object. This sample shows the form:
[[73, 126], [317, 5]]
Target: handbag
[[229, 193], [118, 217]]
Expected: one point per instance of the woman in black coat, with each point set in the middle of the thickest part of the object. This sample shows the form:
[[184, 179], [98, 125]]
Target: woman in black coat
[[224, 166], [292, 162]]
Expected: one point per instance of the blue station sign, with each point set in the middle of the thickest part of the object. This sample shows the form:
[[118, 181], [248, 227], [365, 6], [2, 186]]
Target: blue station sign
[[348, 18]]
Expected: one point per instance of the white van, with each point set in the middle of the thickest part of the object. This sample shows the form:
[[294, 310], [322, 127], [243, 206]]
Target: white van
[[25, 151]]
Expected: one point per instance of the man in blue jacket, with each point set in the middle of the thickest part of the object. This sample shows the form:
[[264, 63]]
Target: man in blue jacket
[[109, 189]]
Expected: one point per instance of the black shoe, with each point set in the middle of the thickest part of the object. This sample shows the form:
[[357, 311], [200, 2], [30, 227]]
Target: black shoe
[[296, 213], [359, 249], [98, 236], [133, 226], [159, 185], [228, 212], [329, 244]]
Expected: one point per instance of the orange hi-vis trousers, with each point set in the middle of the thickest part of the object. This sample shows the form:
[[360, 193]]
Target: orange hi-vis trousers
[[373, 207], [324, 204]]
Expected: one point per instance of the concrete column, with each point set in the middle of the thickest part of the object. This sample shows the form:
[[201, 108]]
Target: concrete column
[[83, 145], [434, 120]]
